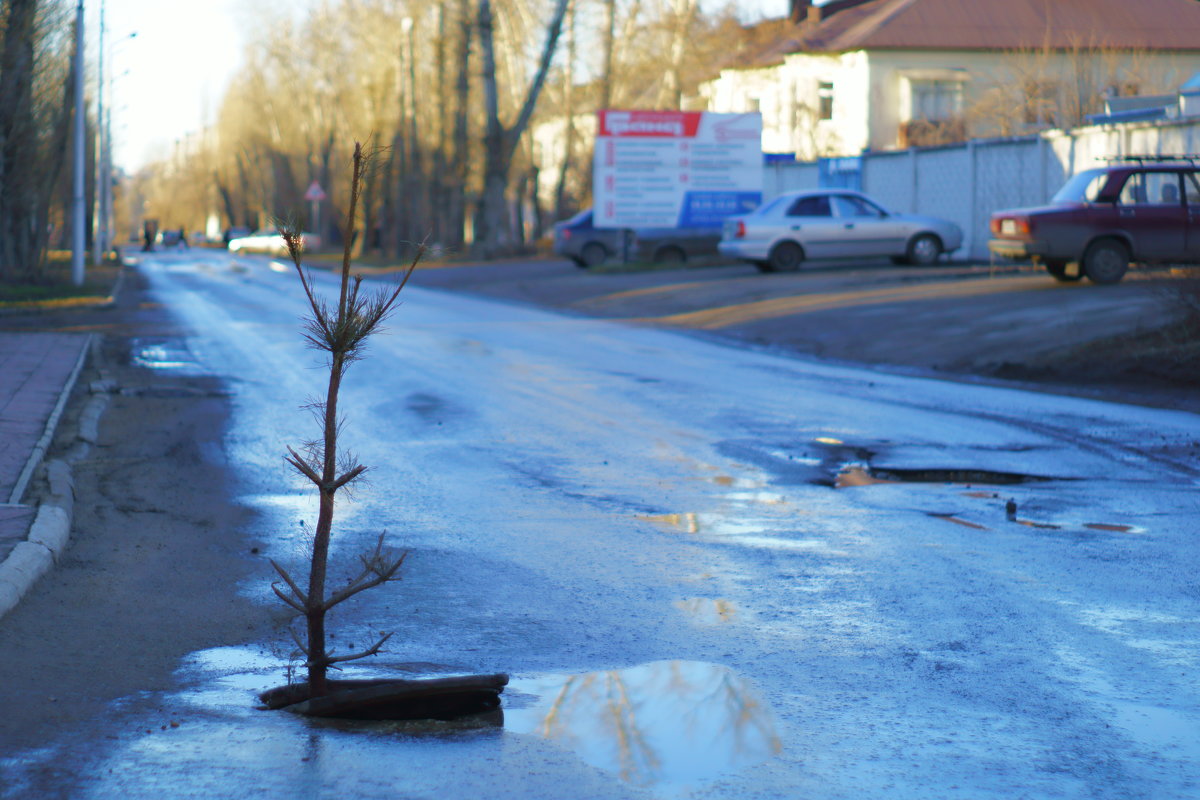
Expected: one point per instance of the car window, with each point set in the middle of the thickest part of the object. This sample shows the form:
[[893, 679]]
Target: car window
[[1150, 188], [1191, 188], [812, 206], [1083, 188], [847, 205], [767, 207]]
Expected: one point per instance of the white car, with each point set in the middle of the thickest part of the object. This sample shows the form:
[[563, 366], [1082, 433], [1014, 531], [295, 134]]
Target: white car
[[834, 223], [270, 242]]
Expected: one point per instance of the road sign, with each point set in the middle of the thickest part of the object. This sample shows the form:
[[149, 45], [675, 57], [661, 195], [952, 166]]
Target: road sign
[[315, 193], [675, 168]]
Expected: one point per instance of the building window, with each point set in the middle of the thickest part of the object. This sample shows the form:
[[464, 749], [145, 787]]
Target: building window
[[824, 100], [935, 101]]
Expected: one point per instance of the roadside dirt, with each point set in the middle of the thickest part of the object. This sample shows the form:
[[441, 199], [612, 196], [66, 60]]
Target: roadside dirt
[[1136, 342], [155, 520]]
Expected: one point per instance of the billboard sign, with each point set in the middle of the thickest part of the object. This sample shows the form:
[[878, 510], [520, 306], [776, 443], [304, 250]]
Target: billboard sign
[[675, 168]]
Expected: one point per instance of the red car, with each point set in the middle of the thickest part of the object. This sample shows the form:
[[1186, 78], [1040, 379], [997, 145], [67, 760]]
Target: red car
[[1143, 209]]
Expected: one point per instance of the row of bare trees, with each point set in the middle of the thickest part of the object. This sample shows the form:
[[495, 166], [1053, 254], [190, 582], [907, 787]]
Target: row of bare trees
[[36, 49], [450, 93]]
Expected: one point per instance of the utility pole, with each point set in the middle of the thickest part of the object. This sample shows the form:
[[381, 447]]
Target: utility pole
[[99, 218], [78, 241]]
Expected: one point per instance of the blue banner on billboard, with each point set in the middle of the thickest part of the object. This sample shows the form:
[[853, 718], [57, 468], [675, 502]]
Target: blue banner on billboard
[[709, 209]]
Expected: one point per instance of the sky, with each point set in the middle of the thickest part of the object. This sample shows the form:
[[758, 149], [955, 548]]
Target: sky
[[169, 78]]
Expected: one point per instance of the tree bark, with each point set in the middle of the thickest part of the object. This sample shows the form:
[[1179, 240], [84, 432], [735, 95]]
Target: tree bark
[[456, 205], [493, 224], [16, 88]]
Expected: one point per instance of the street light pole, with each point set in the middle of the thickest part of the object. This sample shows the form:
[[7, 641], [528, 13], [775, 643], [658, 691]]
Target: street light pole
[[78, 242]]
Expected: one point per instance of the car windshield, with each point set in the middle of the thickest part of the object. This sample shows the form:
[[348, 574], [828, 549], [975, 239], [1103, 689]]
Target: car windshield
[[1083, 188]]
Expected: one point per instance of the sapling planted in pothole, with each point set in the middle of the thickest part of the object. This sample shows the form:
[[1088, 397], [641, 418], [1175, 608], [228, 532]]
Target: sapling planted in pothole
[[340, 330]]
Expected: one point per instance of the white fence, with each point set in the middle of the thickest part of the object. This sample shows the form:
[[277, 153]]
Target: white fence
[[967, 182]]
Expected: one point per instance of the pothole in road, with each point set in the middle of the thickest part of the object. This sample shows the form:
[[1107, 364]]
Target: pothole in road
[[858, 474], [658, 724]]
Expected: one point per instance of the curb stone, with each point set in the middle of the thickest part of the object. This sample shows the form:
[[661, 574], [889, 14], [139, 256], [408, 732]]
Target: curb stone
[[51, 529]]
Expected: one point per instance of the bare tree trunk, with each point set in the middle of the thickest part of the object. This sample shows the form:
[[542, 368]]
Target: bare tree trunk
[[456, 205], [560, 186], [16, 88], [608, 29], [681, 21], [226, 199], [437, 189], [500, 142]]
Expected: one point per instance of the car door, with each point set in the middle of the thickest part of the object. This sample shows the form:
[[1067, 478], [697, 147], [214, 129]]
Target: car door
[[868, 229], [810, 222], [1191, 194], [1150, 208]]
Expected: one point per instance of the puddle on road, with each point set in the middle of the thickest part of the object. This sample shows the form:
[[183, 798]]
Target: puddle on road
[[664, 723], [164, 354], [857, 474], [958, 521], [708, 611], [1104, 526]]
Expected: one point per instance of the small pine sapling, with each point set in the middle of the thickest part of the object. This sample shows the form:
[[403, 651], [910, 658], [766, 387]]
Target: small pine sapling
[[340, 331]]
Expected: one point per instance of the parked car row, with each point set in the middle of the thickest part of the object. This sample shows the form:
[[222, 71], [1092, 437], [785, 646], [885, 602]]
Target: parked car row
[[779, 236]]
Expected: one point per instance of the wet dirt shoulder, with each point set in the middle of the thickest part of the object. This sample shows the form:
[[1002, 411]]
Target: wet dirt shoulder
[[158, 546]]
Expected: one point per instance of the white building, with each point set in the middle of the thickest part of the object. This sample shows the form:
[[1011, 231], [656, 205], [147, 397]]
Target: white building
[[855, 75]]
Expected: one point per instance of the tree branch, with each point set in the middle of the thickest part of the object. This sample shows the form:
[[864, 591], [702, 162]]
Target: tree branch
[[300, 596], [349, 476], [297, 461], [375, 571], [354, 656]]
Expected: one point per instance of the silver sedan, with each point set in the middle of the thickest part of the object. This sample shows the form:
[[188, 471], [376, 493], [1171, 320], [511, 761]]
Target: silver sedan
[[834, 223]]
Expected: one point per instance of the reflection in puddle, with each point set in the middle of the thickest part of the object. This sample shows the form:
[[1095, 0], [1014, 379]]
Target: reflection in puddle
[[1102, 526], [172, 354], [708, 610], [856, 475], [668, 722], [958, 521]]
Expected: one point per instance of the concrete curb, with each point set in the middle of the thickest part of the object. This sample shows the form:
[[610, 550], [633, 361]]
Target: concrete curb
[[43, 444], [51, 529]]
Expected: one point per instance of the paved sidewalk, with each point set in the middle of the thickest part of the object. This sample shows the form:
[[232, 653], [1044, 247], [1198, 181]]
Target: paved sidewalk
[[37, 372]]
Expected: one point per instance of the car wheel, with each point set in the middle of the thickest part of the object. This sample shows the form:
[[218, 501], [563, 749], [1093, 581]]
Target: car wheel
[[924, 250], [786, 257], [1058, 270], [670, 255], [594, 254], [1106, 261]]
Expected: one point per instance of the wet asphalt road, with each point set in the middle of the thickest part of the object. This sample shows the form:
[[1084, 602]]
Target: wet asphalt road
[[711, 572]]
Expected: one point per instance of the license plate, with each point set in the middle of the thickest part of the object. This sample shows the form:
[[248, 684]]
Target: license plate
[[1008, 226]]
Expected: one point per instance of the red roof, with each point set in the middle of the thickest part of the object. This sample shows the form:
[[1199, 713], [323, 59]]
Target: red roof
[[1170, 25]]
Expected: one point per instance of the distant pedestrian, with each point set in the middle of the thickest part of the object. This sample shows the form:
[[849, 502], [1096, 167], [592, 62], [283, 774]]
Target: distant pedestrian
[[183, 239]]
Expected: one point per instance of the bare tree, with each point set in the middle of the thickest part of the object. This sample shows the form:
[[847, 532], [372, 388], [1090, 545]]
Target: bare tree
[[500, 142], [340, 331], [1049, 86], [35, 93]]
